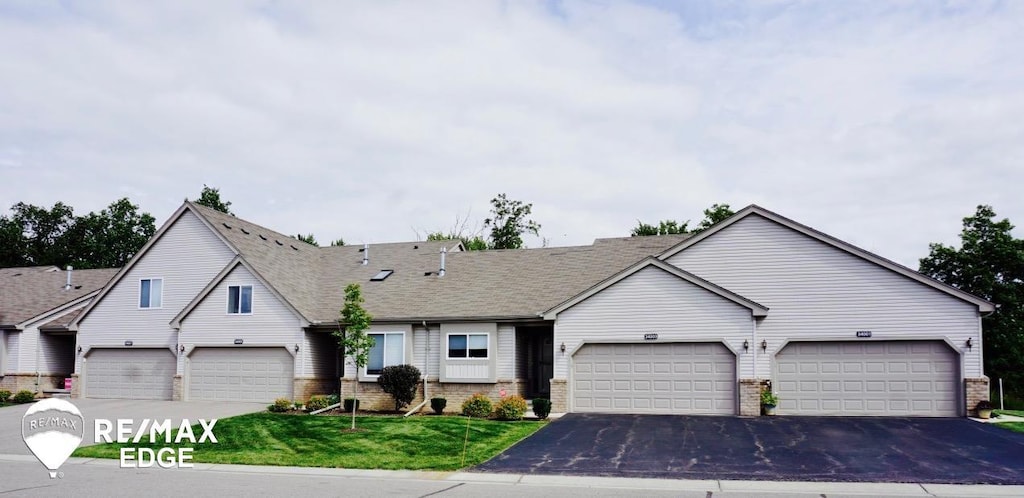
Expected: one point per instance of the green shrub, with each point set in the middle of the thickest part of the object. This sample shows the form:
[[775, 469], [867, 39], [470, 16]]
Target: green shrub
[[5, 396], [400, 382], [769, 398], [333, 399], [438, 404], [541, 408], [317, 403], [478, 405], [297, 405], [510, 408], [24, 397], [280, 405], [348, 404]]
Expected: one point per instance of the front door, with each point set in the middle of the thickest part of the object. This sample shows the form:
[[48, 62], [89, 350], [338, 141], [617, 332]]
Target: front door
[[544, 367]]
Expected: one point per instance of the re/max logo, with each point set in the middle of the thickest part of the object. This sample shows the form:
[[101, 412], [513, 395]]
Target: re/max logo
[[152, 432]]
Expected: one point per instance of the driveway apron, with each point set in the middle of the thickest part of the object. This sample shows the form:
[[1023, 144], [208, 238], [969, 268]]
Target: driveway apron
[[855, 449]]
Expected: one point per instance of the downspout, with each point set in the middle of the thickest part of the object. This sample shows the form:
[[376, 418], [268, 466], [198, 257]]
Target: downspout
[[426, 372]]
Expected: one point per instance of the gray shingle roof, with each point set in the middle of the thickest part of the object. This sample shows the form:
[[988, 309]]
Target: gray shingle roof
[[497, 284], [26, 293]]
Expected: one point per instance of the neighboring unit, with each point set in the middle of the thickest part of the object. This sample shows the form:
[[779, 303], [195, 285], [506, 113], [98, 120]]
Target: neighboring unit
[[37, 349], [217, 308]]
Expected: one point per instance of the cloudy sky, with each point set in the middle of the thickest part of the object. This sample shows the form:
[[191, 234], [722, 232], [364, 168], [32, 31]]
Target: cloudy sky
[[881, 123]]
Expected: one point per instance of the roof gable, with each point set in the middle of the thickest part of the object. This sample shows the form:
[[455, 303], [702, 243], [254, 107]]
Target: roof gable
[[755, 210], [756, 309]]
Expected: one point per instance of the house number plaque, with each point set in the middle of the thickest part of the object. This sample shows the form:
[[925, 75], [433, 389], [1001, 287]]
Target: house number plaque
[[650, 337]]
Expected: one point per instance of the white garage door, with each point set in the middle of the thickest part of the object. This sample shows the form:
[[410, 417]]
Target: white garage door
[[240, 374], [669, 378], [129, 373], [891, 378]]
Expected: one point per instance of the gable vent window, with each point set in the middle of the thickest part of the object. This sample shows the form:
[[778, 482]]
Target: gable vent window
[[239, 299], [381, 275]]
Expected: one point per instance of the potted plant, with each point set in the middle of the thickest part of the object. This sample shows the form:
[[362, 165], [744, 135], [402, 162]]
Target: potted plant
[[768, 402], [984, 409]]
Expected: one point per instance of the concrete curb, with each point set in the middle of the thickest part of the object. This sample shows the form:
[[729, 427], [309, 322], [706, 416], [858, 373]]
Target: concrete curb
[[630, 483]]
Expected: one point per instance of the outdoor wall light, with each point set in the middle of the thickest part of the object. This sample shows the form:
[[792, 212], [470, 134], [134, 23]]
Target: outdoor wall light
[[746, 345], [296, 348], [764, 345], [181, 348], [563, 348], [969, 343], [79, 349]]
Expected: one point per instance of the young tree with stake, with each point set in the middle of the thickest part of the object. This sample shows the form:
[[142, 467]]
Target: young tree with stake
[[352, 336]]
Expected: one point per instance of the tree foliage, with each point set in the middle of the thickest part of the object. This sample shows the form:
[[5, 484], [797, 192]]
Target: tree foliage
[[210, 197], [712, 215], [34, 235], [989, 264], [352, 337], [337, 243], [309, 239], [509, 221]]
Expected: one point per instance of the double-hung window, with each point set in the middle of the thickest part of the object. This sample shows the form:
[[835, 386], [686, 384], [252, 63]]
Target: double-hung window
[[388, 350], [468, 345], [239, 299], [151, 292]]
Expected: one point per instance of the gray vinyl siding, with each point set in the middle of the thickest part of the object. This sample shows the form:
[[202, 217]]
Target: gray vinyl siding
[[420, 338], [271, 321], [818, 292], [187, 257], [28, 340], [13, 346], [651, 301], [471, 370], [506, 352]]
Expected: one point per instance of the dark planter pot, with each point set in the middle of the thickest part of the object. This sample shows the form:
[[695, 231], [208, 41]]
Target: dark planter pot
[[769, 410], [438, 404], [347, 404]]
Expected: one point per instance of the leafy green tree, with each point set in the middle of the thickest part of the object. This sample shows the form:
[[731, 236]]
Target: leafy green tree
[[989, 264], [353, 339], [110, 238], [715, 214], [665, 227], [43, 230], [210, 197], [338, 243], [509, 221], [309, 239], [712, 215], [473, 243], [12, 243]]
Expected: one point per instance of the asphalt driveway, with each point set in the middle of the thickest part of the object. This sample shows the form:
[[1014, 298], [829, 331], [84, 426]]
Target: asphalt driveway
[[855, 449], [11, 442]]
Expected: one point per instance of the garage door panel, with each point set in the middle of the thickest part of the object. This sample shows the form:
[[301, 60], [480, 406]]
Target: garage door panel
[[881, 378], [240, 374], [130, 374], [655, 378]]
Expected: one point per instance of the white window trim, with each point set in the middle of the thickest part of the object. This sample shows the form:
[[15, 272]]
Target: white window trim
[[252, 299], [447, 349], [385, 333], [138, 297]]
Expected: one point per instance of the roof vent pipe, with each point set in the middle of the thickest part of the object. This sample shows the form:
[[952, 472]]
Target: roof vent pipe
[[67, 286], [366, 254], [444, 252]]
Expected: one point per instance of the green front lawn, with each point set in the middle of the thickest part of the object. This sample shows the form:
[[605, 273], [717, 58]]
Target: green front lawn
[[1013, 426], [417, 443]]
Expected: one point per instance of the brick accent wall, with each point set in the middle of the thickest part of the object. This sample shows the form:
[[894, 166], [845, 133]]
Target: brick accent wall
[[559, 396], [305, 387], [371, 397], [750, 397], [27, 382], [975, 390], [76, 386], [177, 388]]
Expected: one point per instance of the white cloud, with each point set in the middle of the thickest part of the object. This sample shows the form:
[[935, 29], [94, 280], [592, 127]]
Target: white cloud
[[880, 123]]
